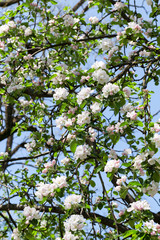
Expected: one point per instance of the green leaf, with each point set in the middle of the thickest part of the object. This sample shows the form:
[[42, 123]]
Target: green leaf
[[73, 145], [123, 193], [134, 183], [129, 233], [92, 183]]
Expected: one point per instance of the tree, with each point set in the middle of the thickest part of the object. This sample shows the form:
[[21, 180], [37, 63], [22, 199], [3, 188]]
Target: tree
[[78, 133]]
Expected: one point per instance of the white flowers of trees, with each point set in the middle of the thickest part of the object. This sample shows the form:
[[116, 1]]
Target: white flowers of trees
[[79, 134]]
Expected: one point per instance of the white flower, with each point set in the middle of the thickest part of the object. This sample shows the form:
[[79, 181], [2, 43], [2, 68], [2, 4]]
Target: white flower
[[94, 20], [127, 108], [83, 118], [132, 115], [69, 20], [60, 122], [139, 206], [127, 91], [152, 161], [60, 94], [72, 200], [11, 24], [65, 161], [118, 6], [4, 28], [153, 189], [144, 53], [117, 188], [74, 223], [43, 223], [82, 152], [152, 226], [69, 236], [31, 213], [95, 107], [134, 26], [112, 165], [99, 64], [93, 134], [121, 180], [110, 89], [16, 234], [100, 76], [127, 152], [28, 31], [138, 160], [83, 181], [60, 181], [29, 146], [83, 94], [58, 79], [156, 140], [106, 44]]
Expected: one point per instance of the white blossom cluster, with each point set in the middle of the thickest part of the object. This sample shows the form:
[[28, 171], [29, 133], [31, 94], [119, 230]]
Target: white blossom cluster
[[112, 165], [49, 165], [74, 223], [50, 141], [58, 79], [153, 189], [16, 234], [156, 140], [132, 115], [110, 89], [83, 94], [121, 180], [45, 190], [69, 236], [153, 160], [16, 84], [93, 134], [60, 93], [5, 28], [94, 20], [127, 108], [72, 201], [156, 127], [29, 146], [100, 74], [30, 213], [83, 118], [65, 121], [106, 44], [118, 6], [65, 161], [134, 26], [82, 152], [69, 20], [127, 91], [25, 103], [117, 128], [153, 227], [95, 107], [99, 64], [138, 160], [28, 31], [139, 206]]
